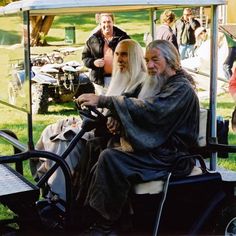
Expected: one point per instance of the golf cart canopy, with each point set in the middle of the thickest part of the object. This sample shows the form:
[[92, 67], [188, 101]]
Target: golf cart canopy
[[52, 7]]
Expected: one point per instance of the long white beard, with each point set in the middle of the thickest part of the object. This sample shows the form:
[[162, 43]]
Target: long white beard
[[119, 83], [152, 86]]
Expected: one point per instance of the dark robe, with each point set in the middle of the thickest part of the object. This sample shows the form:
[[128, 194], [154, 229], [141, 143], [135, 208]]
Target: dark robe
[[93, 147], [159, 129]]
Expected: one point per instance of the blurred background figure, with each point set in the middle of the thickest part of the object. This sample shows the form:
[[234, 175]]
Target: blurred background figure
[[164, 31], [201, 36], [232, 91], [184, 30], [232, 85], [231, 57]]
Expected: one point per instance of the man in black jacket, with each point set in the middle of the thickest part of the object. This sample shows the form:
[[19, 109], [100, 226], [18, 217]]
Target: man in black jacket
[[98, 51], [184, 30]]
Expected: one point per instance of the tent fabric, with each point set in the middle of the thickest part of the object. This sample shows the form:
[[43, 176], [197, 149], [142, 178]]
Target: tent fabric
[[48, 7]]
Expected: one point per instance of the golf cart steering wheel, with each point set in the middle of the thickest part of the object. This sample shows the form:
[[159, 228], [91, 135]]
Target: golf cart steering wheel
[[92, 113], [92, 117]]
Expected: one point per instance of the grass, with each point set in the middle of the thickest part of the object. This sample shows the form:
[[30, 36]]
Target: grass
[[135, 23]]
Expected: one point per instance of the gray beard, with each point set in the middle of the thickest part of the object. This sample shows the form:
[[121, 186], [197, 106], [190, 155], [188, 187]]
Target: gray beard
[[152, 86]]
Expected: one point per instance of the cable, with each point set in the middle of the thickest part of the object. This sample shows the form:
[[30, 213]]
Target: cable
[[158, 217]]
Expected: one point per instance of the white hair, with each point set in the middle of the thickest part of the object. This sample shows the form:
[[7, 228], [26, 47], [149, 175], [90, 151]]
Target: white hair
[[135, 75]]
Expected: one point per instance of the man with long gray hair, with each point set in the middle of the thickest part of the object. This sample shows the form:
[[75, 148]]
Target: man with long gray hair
[[158, 128]]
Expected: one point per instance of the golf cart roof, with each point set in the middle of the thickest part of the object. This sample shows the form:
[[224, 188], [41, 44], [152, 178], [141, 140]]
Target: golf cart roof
[[52, 7]]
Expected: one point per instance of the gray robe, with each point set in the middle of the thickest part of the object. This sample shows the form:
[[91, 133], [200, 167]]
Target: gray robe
[[159, 129]]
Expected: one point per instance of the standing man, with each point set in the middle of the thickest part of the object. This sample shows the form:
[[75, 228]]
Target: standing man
[[98, 51], [159, 127], [184, 30]]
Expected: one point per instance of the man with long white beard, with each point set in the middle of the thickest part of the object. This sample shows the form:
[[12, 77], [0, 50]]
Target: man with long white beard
[[157, 128], [129, 71]]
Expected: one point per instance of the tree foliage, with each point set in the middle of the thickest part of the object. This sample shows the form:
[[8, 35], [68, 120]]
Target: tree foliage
[[5, 2], [40, 26]]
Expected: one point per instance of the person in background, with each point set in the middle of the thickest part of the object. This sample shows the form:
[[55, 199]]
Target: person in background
[[232, 85], [231, 57], [164, 31], [159, 126], [232, 91], [98, 51], [184, 30], [201, 37]]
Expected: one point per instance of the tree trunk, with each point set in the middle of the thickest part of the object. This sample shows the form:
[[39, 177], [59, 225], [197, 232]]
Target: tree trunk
[[40, 27]]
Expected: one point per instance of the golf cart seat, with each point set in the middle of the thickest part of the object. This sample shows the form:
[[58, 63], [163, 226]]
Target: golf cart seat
[[156, 186]]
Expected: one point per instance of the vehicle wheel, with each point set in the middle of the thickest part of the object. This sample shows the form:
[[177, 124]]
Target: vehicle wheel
[[12, 93], [227, 222], [40, 97]]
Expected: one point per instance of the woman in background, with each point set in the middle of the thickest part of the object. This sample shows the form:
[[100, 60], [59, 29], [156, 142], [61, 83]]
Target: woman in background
[[164, 31]]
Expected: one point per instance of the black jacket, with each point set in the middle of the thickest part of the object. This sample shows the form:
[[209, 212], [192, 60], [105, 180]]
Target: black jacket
[[93, 50], [191, 27]]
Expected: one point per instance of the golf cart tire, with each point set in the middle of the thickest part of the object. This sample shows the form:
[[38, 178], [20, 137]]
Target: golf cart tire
[[40, 95], [227, 221]]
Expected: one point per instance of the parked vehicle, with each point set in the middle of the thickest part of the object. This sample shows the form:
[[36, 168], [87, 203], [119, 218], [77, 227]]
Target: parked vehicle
[[200, 204], [50, 82], [43, 59]]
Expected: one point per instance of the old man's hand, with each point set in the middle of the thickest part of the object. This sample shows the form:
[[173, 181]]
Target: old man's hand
[[113, 125], [88, 99]]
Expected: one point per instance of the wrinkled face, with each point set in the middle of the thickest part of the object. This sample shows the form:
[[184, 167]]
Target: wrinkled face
[[121, 57], [156, 63], [106, 24], [187, 14]]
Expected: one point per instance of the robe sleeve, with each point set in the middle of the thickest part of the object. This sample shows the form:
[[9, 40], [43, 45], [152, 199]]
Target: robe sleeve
[[151, 122]]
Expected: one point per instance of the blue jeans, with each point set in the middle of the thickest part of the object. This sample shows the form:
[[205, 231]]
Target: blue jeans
[[186, 51]]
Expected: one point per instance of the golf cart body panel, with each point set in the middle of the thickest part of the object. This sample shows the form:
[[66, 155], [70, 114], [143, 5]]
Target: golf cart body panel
[[217, 188]]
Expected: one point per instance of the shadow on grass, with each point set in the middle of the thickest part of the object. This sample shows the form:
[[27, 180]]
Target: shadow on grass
[[9, 38], [67, 109]]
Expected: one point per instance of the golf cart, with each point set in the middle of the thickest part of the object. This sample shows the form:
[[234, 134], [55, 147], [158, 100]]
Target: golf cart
[[203, 203]]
